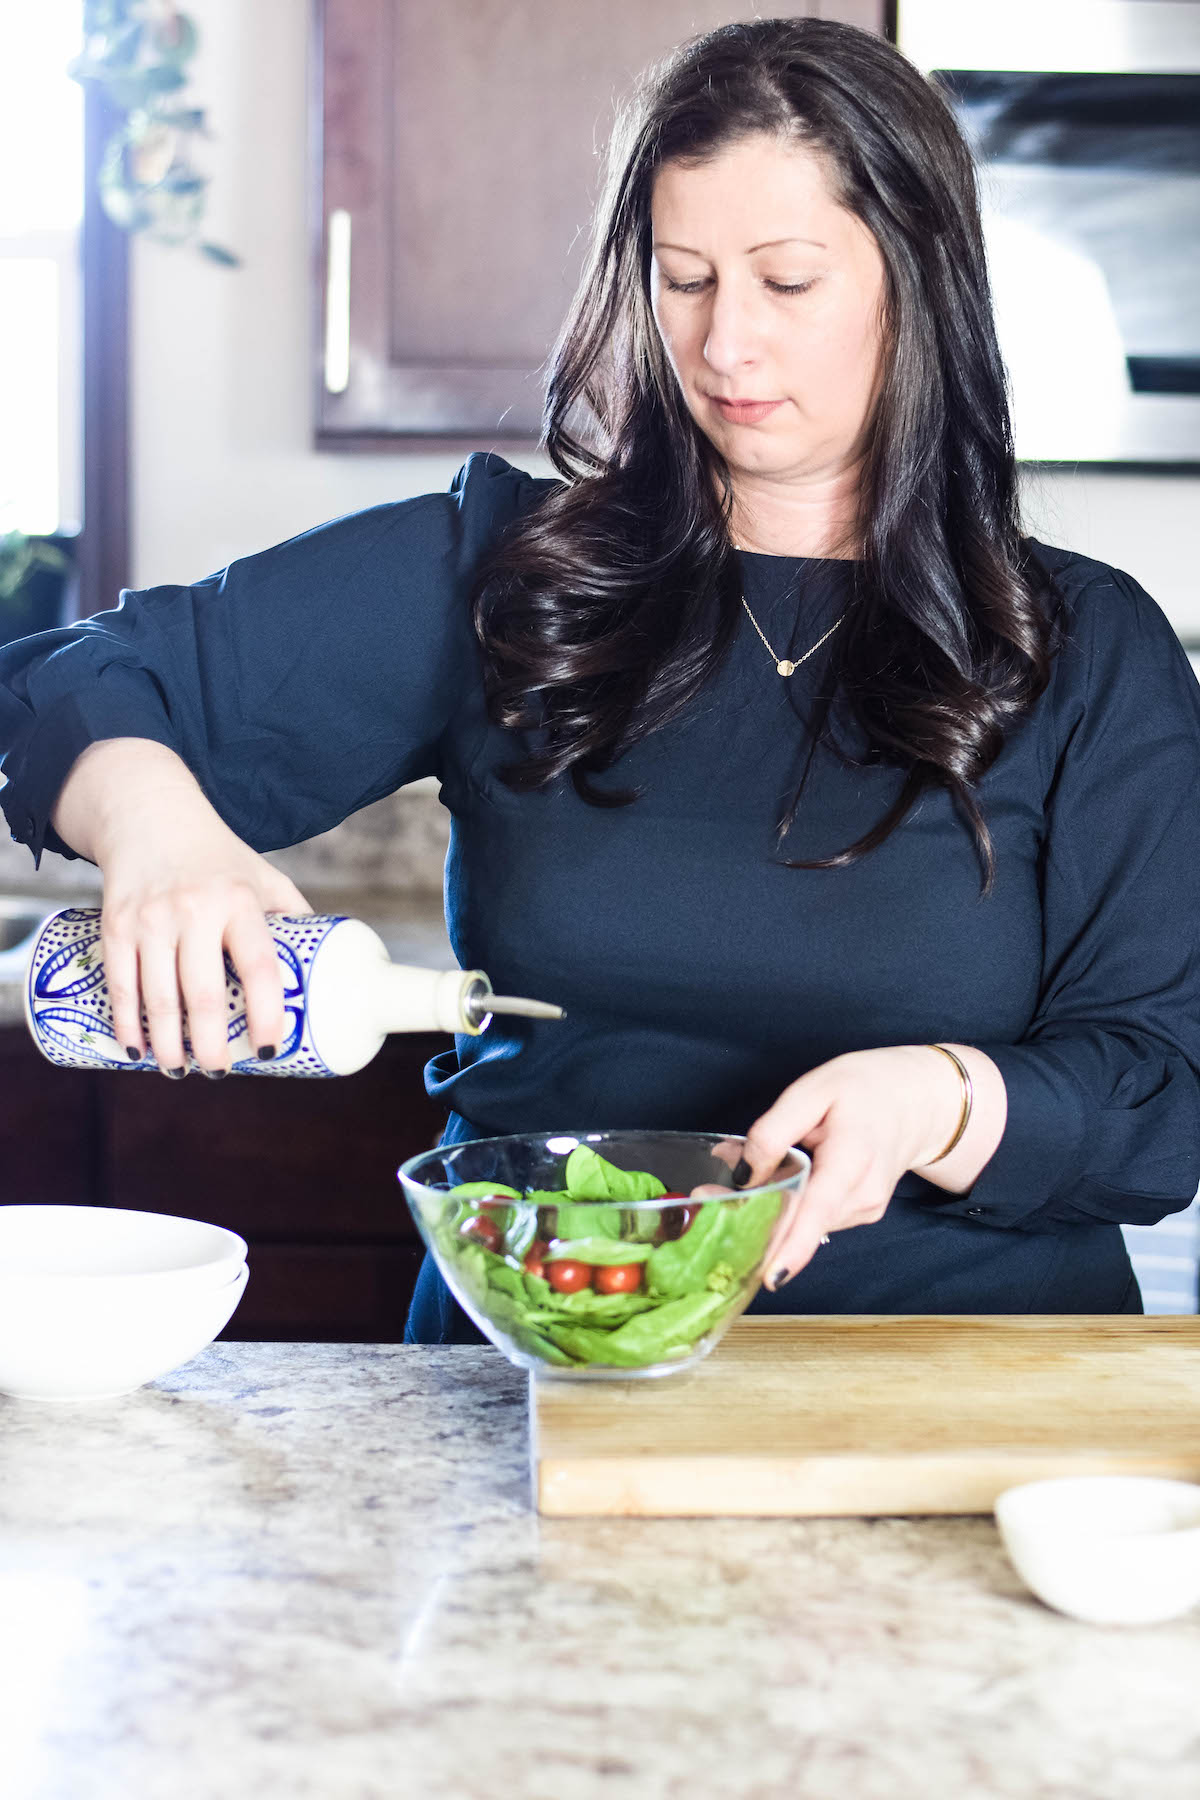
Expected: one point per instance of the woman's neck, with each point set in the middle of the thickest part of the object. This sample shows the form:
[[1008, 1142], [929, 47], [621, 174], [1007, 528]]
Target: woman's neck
[[776, 517]]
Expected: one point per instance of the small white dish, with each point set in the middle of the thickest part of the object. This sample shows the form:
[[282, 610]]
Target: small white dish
[[92, 1245], [72, 1343], [1108, 1549]]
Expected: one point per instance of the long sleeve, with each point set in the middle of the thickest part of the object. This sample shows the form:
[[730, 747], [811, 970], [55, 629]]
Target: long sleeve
[[298, 684], [1104, 1088]]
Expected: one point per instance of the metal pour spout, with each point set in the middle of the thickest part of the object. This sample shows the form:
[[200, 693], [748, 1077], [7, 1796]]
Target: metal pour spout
[[525, 1009], [480, 1003]]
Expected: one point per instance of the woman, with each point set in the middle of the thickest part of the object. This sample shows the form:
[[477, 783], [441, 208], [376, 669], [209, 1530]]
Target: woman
[[835, 811]]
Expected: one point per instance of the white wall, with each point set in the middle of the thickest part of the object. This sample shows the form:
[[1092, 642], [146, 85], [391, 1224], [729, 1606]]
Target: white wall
[[222, 462]]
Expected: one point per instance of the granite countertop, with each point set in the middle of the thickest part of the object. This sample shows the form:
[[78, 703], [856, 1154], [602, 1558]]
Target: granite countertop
[[295, 1571], [410, 922]]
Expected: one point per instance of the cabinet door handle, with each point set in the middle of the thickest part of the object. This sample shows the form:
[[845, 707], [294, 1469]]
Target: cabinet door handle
[[337, 302]]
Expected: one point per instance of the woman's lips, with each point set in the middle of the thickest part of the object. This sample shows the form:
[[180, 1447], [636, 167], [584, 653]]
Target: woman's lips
[[745, 413]]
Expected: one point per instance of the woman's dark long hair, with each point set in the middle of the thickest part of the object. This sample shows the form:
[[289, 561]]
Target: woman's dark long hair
[[605, 609]]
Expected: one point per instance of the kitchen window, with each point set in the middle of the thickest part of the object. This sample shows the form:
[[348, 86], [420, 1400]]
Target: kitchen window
[[41, 206]]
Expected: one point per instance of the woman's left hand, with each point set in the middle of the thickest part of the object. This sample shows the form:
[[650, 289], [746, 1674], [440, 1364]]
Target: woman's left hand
[[864, 1118]]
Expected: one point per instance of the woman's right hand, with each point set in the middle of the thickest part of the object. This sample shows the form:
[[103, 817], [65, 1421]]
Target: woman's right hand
[[173, 903], [180, 889]]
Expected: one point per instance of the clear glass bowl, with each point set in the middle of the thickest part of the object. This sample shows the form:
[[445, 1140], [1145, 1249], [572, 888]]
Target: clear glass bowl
[[616, 1280]]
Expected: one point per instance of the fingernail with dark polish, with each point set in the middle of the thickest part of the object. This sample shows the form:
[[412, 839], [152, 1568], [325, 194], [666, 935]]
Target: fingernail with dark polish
[[177, 1074], [266, 1052], [216, 1074], [741, 1174], [132, 1054], [779, 1278]]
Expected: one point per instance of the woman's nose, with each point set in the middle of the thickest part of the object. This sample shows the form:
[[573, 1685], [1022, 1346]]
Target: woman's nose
[[733, 336]]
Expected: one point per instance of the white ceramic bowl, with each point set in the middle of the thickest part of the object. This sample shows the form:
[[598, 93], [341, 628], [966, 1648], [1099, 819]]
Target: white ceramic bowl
[[93, 1245], [78, 1345], [1110, 1549]]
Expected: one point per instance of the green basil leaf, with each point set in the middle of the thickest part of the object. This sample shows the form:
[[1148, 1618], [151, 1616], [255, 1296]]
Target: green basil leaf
[[538, 1289], [584, 1221], [590, 1177], [471, 1263], [652, 1334], [606, 1252], [541, 1346], [682, 1264], [503, 1312], [748, 1230], [589, 1308], [587, 1345], [508, 1280]]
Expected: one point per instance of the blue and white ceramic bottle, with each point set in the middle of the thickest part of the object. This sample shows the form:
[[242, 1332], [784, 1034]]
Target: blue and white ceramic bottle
[[342, 997]]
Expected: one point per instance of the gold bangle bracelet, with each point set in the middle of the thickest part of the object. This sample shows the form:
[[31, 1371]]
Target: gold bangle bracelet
[[968, 1100]]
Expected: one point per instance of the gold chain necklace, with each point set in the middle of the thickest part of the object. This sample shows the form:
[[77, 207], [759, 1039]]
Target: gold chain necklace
[[782, 665]]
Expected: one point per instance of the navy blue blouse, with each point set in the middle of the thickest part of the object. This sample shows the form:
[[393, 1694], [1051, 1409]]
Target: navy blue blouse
[[700, 974]]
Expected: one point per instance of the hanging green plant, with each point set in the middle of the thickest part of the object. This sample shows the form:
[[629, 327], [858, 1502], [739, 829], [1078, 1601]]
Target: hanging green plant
[[33, 581], [20, 556], [137, 52]]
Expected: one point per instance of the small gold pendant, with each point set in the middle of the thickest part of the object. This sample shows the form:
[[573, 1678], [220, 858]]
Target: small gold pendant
[[786, 668]]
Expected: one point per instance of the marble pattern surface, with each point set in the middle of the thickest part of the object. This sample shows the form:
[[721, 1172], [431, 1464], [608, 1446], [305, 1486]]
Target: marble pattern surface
[[312, 1572], [398, 842]]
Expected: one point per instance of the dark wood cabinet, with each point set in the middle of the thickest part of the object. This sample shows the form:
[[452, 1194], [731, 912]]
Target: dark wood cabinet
[[49, 1127], [455, 167], [304, 1170]]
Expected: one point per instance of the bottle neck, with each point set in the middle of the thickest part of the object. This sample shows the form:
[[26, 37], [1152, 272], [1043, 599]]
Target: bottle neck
[[406, 998]]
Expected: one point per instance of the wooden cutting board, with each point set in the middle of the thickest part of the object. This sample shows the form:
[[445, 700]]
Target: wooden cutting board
[[874, 1415]]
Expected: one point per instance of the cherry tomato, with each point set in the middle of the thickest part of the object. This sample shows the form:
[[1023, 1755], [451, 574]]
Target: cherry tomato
[[676, 1219], [619, 1278], [533, 1258], [568, 1277], [482, 1231]]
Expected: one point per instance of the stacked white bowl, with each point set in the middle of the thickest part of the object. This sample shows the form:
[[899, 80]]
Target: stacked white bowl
[[96, 1300]]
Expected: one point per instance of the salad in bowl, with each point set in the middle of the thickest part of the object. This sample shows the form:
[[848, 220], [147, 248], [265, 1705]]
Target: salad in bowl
[[602, 1254]]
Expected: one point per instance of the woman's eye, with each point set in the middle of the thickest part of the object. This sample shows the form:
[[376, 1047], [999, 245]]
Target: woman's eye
[[777, 287]]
